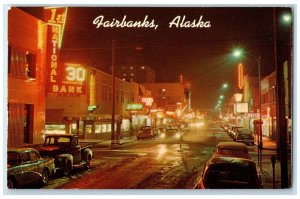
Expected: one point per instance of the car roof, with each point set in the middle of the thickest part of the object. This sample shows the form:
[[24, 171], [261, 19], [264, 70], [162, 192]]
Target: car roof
[[230, 160], [244, 129], [21, 150], [60, 135], [231, 145]]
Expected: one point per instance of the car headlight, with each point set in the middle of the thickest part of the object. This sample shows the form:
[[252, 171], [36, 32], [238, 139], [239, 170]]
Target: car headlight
[[177, 135]]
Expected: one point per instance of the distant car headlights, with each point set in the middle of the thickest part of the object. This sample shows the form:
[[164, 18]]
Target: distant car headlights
[[177, 135]]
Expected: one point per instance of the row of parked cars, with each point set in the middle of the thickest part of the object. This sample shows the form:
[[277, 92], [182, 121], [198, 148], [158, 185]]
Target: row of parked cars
[[238, 133], [230, 167], [58, 154]]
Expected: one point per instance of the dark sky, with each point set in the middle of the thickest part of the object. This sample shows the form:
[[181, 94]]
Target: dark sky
[[201, 55]]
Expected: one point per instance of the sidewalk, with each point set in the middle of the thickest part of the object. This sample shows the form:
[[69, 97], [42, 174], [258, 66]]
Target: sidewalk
[[268, 144], [269, 150]]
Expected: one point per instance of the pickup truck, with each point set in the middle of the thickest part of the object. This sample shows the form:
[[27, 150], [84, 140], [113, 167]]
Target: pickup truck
[[66, 151]]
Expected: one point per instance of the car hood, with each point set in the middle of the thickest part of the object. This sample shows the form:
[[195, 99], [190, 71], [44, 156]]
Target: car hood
[[50, 150]]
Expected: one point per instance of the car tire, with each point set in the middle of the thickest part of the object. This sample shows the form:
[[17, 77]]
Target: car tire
[[11, 183], [88, 162], [45, 177], [67, 168]]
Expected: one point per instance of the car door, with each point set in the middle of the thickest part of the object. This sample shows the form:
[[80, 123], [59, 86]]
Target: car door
[[28, 175], [75, 151], [37, 163]]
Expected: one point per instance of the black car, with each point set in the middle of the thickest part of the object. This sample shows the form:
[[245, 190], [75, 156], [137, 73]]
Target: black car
[[229, 173], [145, 132]]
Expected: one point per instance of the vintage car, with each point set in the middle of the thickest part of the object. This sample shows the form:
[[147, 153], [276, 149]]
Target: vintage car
[[25, 166], [245, 136], [145, 132], [67, 152], [231, 149], [229, 173]]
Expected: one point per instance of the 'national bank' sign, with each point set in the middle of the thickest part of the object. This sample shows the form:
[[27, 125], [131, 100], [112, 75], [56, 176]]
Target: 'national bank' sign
[[67, 78]]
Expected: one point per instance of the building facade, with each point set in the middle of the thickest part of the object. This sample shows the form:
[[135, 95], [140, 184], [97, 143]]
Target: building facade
[[136, 73], [268, 105], [27, 37]]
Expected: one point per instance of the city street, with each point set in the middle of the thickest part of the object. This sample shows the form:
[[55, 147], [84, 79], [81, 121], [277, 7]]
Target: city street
[[140, 97], [151, 163]]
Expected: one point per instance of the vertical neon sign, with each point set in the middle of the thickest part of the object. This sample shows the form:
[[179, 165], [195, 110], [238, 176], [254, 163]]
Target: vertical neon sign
[[240, 76]]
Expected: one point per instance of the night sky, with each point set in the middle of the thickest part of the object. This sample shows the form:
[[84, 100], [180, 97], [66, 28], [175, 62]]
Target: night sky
[[201, 55]]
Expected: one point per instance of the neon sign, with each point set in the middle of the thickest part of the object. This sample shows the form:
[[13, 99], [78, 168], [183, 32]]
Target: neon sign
[[73, 80], [61, 78], [147, 101]]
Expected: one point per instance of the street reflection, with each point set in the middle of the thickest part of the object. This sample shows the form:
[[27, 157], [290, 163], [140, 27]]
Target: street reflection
[[162, 149]]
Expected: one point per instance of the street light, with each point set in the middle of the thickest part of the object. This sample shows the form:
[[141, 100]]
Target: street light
[[287, 18], [238, 53], [225, 85]]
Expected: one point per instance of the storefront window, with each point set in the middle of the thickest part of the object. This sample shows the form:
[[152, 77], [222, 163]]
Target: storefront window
[[98, 128], [55, 129], [74, 128], [88, 128], [103, 126]]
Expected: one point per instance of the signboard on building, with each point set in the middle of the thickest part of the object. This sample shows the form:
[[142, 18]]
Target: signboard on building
[[63, 78], [134, 107], [241, 108], [147, 101]]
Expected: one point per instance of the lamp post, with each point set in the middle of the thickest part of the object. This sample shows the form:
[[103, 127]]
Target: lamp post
[[239, 53]]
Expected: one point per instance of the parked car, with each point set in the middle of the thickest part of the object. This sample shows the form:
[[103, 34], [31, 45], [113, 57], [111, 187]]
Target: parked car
[[25, 166], [233, 130], [227, 127], [145, 132], [244, 135], [156, 131], [67, 152], [229, 173], [231, 149]]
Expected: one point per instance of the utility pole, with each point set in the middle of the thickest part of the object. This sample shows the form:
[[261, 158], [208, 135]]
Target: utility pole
[[113, 133], [281, 115]]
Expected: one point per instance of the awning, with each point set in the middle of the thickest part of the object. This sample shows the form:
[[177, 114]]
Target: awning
[[54, 116]]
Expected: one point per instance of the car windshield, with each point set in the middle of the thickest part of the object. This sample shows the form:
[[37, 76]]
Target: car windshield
[[13, 158], [145, 127], [234, 153], [245, 135], [230, 176], [58, 141], [245, 131]]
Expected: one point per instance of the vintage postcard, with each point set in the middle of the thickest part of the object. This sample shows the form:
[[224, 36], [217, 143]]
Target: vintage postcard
[[149, 97]]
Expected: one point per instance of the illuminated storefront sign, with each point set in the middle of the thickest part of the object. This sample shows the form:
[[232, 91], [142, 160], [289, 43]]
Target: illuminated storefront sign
[[240, 76], [134, 107], [241, 108], [62, 78], [147, 101], [71, 79]]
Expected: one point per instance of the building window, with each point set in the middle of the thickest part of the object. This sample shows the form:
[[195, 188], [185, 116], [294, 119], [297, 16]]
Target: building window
[[21, 63], [142, 67], [131, 68], [131, 74], [30, 65], [124, 74]]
